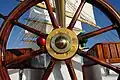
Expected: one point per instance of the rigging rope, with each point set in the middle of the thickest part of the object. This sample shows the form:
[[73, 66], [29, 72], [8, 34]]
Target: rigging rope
[[21, 74]]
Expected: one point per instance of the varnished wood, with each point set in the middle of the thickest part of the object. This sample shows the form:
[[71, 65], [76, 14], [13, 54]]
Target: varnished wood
[[12, 54], [77, 14], [113, 50], [4, 74], [49, 69], [108, 52], [114, 60], [71, 69], [32, 30], [16, 56], [108, 10], [50, 11], [96, 32], [97, 60], [118, 49], [27, 4], [24, 57], [83, 71], [14, 15]]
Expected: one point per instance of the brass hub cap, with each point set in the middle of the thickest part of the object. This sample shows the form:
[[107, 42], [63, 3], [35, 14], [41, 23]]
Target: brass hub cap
[[62, 43]]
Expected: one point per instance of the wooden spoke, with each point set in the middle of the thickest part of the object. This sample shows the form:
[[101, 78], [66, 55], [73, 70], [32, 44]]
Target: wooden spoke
[[4, 74], [71, 69], [32, 30], [49, 69], [84, 54], [25, 57], [77, 14], [50, 11], [96, 32]]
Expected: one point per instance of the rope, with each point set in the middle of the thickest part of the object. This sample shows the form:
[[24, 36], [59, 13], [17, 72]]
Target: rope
[[21, 74]]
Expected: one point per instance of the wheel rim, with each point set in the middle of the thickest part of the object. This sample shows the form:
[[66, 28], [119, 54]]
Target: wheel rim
[[15, 14]]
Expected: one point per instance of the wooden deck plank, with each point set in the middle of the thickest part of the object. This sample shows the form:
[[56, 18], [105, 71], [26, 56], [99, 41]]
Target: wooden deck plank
[[106, 51], [118, 49], [113, 50], [99, 51]]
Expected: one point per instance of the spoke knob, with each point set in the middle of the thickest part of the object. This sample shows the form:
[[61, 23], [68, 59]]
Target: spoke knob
[[41, 41]]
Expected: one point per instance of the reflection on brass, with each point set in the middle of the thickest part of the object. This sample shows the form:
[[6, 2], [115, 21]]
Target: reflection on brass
[[61, 42]]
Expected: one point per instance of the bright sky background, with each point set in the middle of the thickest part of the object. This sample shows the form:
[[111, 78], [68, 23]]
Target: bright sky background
[[7, 5]]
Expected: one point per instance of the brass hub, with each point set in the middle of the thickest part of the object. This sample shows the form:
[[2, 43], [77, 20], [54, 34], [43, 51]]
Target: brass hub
[[62, 43]]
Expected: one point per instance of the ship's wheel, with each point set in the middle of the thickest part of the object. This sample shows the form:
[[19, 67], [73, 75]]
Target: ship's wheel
[[61, 43]]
